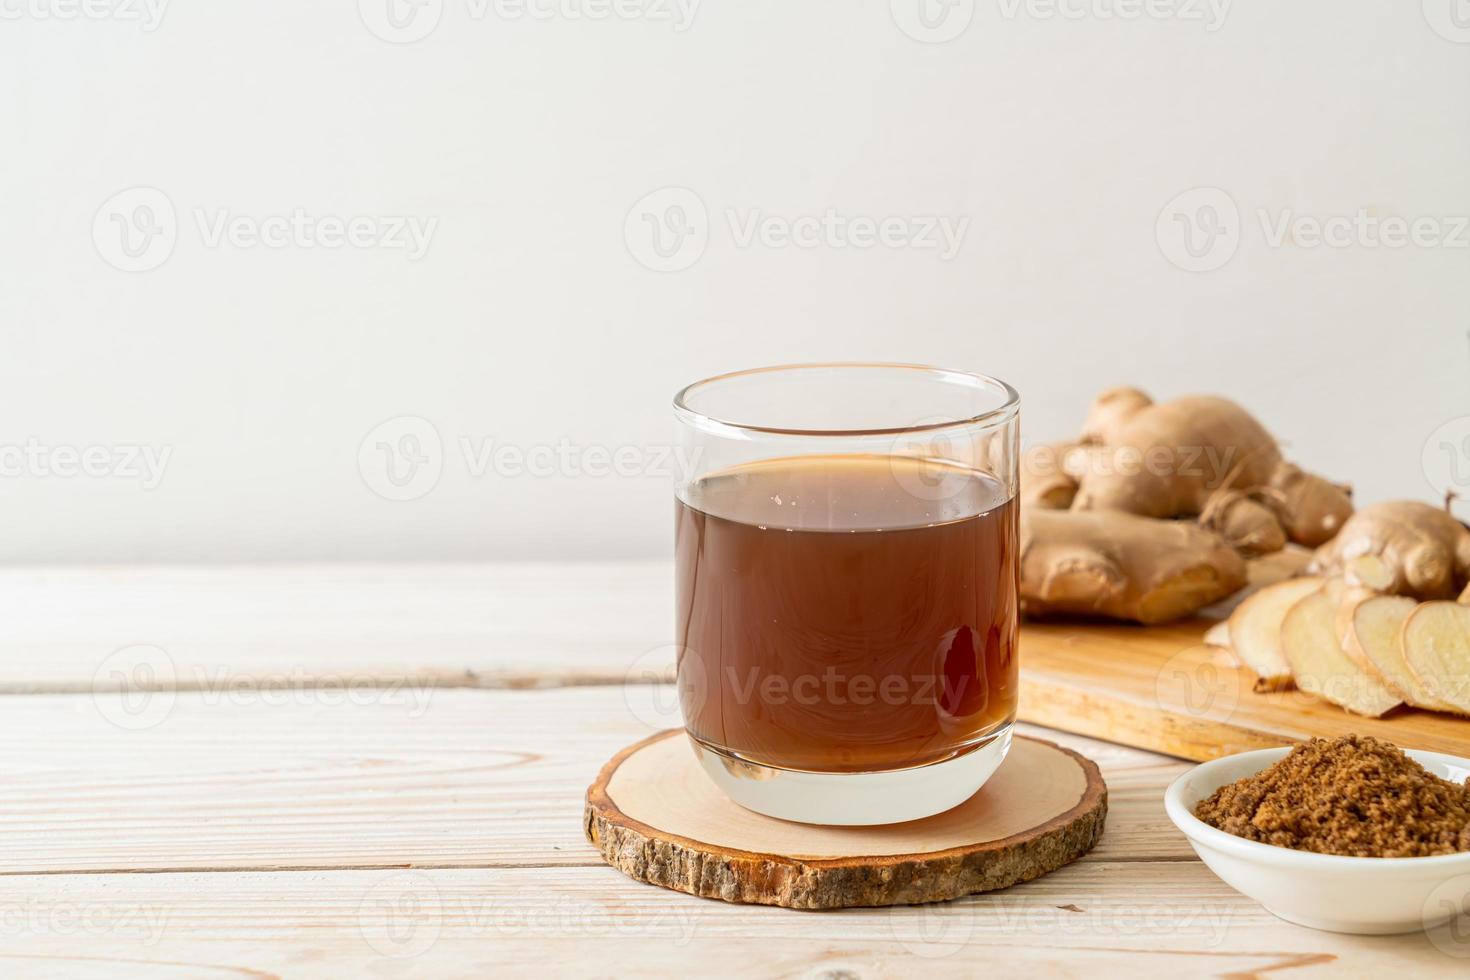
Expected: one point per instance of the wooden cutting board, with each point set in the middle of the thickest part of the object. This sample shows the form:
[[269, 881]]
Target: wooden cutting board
[[1161, 688]]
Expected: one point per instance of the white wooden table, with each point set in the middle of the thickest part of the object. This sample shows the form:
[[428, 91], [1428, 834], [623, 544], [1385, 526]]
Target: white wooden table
[[378, 771]]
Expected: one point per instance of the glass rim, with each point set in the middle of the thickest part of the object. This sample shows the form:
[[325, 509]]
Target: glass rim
[[995, 416]]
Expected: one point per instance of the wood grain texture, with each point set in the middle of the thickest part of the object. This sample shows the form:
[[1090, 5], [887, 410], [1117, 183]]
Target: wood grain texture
[[1159, 688], [1090, 919], [461, 806], [464, 778], [448, 625], [653, 815], [224, 631]]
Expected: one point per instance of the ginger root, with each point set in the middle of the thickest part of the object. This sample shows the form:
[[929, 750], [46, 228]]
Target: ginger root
[[1170, 459], [1426, 550], [1045, 480], [1243, 520], [1122, 566]]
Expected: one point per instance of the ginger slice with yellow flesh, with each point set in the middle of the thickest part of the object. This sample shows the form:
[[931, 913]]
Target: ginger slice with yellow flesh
[[1255, 630], [1436, 647], [1365, 577], [1372, 638], [1320, 665], [1218, 635]]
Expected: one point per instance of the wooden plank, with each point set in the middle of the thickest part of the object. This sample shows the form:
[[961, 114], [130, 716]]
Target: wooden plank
[[1089, 919], [225, 630], [318, 779], [473, 625], [1159, 688]]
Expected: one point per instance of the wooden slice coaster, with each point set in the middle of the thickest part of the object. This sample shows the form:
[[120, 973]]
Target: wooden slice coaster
[[656, 816]]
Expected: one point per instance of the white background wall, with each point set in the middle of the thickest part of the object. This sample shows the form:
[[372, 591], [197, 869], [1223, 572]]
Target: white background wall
[[530, 321]]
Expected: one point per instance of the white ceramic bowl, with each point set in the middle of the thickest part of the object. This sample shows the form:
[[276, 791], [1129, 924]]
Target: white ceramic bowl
[[1369, 896]]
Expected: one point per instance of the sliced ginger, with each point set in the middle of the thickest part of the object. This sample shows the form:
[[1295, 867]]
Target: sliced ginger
[[1218, 635], [1373, 639], [1321, 666], [1436, 648], [1255, 630]]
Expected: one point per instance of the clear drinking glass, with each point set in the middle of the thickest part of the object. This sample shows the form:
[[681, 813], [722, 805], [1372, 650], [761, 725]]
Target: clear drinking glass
[[846, 583]]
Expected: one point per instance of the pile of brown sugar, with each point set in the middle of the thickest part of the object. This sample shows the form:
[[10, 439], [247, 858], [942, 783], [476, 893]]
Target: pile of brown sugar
[[1354, 795]]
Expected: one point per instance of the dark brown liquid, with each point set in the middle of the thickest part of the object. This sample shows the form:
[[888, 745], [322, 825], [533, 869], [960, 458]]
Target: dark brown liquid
[[846, 613]]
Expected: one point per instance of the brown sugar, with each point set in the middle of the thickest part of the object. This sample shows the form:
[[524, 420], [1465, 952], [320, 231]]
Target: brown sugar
[[1355, 795]]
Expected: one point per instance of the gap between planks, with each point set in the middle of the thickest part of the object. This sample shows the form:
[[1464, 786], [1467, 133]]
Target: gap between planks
[[460, 866]]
